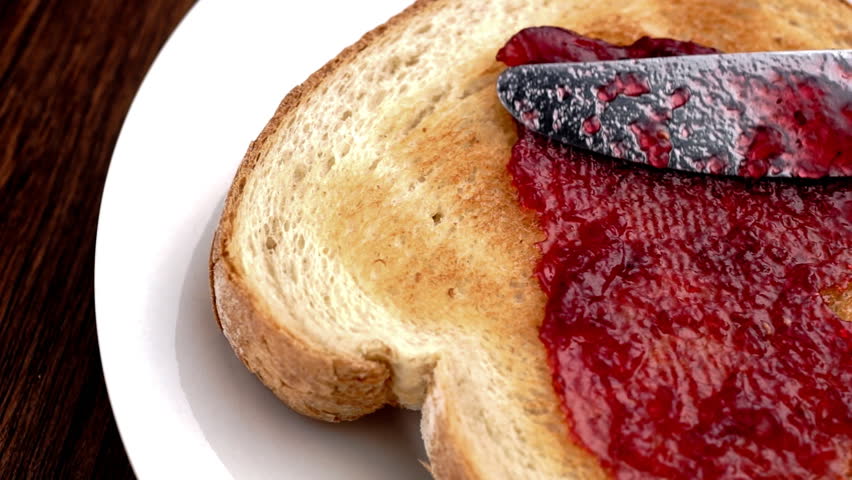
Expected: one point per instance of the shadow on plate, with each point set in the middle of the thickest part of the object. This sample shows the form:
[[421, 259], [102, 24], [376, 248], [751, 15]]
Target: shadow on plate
[[255, 435]]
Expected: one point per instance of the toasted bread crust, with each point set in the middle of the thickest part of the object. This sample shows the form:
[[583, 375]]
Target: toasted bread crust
[[314, 382], [449, 459]]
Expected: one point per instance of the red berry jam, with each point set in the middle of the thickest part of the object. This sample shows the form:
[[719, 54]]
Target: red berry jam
[[684, 326]]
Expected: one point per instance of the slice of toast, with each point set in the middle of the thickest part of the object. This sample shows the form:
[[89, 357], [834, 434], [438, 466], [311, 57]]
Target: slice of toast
[[372, 251]]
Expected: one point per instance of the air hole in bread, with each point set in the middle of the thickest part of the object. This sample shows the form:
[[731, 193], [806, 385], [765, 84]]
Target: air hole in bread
[[299, 173], [376, 99], [472, 177], [437, 217], [423, 29], [346, 115], [392, 65], [806, 12], [451, 293], [412, 61], [271, 243], [378, 265], [420, 116]]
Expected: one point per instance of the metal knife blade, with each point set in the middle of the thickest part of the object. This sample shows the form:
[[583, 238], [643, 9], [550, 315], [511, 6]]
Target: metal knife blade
[[774, 114]]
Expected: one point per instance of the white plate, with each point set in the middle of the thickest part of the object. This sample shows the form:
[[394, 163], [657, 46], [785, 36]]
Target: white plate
[[185, 406]]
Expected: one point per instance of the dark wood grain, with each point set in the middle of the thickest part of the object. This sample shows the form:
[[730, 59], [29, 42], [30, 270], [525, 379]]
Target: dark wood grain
[[68, 72]]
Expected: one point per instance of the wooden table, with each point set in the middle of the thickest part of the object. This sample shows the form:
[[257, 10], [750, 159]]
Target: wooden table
[[68, 72]]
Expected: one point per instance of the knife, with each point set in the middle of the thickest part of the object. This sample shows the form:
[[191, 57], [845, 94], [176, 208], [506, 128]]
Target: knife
[[778, 114]]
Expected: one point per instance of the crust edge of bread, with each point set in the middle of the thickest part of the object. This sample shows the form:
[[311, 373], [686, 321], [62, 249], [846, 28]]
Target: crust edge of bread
[[442, 442]]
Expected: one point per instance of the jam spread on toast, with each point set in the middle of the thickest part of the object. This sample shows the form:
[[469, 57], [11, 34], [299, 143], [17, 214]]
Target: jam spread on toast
[[684, 327]]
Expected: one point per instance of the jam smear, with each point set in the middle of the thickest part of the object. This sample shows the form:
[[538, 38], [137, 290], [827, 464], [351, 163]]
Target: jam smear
[[627, 84], [801, 124], [684, 325], [679, 97], [592, 125], [653, 139], [552, 44]]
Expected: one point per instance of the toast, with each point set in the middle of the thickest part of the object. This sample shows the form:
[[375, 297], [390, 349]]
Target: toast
[[372, 250]]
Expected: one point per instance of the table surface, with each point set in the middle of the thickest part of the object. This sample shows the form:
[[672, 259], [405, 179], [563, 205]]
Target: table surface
[[68, 72]]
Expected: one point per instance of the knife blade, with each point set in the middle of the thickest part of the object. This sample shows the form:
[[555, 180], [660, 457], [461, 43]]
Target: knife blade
[[777, 114]]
